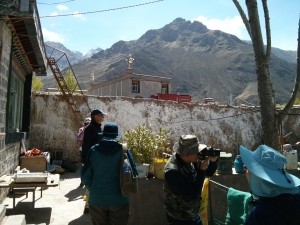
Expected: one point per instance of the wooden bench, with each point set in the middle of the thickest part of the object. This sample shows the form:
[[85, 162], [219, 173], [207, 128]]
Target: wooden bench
[[7, 181], [16, 190]]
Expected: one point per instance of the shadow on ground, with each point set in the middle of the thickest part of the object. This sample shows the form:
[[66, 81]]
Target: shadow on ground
[[32, 215], [75, 194], [83, 220], [68, 196]]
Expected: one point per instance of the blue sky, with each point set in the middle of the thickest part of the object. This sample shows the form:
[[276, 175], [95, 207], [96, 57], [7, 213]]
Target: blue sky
[[82, 25]]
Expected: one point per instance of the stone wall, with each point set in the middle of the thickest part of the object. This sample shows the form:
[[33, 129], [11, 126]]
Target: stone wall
[[9, 153], [53, 127], [225, 127]]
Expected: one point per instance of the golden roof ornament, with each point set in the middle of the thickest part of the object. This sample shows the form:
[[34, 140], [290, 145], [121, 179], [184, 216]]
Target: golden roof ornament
[[129, 61]]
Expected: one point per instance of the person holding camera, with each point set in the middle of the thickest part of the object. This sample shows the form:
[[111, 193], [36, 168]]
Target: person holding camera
[[184, 173]]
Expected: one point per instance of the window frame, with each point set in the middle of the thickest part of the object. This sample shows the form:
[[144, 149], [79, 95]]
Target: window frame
[[15, 103], [164, 88], [135, 86]]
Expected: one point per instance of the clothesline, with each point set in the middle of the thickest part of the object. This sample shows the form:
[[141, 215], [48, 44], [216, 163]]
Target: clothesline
[[235, 208], [221, 185]]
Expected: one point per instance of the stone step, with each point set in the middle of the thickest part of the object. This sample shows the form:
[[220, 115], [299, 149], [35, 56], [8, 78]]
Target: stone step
[[37, 224], [14, 220], [2, 212], [11, 220]]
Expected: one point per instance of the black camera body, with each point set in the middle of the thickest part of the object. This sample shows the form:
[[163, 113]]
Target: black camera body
[[208, 151]]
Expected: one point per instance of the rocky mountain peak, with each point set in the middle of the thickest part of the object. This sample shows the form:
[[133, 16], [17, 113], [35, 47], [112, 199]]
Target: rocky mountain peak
[[184, 25], [201, 62], [91, 52]]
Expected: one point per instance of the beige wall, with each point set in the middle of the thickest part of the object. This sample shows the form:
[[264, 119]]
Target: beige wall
[[123, 88], [52, 125], [225, 127], [149, 88]]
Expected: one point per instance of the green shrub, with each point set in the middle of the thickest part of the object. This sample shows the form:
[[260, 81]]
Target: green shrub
[[145, 144]]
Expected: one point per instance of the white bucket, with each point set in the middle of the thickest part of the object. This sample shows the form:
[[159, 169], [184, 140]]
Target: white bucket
[[142, 170], [292, 159]]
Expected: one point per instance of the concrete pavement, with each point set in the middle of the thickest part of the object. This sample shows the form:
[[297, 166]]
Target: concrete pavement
[[62, 205]]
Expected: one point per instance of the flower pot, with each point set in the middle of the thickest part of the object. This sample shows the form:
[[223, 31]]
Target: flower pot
[[159, 166]]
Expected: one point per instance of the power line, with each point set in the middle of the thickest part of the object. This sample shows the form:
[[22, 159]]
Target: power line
[[104, 10], [23, 18], [213, 119], [194, 120], [54, 3]]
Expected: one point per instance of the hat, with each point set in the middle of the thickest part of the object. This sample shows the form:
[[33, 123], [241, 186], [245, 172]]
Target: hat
[[111, 131], [187, 145], [263, 188], [267, 164], [97, 112], [87, 120]]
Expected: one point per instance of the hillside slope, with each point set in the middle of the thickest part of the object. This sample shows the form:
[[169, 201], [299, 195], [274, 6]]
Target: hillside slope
[[201, 62]]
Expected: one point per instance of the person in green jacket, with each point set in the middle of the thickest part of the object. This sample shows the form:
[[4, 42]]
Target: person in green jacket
[[101, 176]]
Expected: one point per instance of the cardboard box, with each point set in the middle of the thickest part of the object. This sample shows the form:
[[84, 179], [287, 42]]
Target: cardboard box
[[34, 163]]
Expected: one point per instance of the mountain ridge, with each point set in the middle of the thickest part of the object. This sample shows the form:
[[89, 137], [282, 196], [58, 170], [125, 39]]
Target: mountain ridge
[[201, 62]]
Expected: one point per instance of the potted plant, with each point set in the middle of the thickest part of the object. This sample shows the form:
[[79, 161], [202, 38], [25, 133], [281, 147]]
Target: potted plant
[[146, 146]]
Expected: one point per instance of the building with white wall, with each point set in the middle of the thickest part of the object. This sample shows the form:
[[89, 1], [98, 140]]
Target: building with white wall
[[132, 85]]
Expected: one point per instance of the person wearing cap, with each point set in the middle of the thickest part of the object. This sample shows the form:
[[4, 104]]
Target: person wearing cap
[[92, 134], [184, 177], [80, 134], [102, 178], [275, 191]]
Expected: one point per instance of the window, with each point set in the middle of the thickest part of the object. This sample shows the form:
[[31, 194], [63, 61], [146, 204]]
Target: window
[[135, 86], [15, 103], [164, 88]]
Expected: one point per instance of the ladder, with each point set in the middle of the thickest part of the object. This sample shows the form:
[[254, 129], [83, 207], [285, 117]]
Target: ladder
[[66, 92]]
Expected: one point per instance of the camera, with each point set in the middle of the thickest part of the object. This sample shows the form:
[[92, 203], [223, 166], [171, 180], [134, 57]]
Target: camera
[[208, 151]]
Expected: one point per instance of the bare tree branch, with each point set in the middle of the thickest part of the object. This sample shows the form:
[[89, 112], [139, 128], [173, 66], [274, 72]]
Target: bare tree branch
[[268, 30], [243, 16], [257, 39], [269, 117], [291, 101]]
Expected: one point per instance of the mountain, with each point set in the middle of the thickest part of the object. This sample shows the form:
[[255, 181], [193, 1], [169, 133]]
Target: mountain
[[201, 62], [91, 52], [289, 56], [56, 50]]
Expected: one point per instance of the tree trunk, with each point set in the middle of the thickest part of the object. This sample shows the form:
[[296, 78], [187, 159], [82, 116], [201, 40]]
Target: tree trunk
[[267, 106], [264, 83], [270, 119]]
